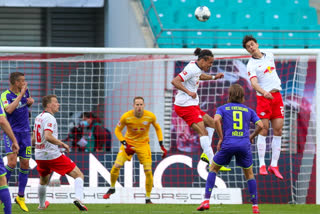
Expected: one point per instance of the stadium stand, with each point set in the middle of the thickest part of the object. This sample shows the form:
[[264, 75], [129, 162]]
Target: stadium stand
[[281, 23]]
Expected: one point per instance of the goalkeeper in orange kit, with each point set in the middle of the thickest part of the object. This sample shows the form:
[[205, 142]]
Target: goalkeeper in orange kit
[[136, 140]]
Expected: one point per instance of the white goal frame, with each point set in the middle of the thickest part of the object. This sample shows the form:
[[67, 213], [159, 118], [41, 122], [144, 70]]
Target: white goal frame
[[188, 51]]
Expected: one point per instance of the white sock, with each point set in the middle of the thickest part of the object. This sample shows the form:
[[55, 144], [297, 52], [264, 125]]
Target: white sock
[[42, 191], [261, 145], [206, 146], [78, 188], [210, 133], [276, 149]]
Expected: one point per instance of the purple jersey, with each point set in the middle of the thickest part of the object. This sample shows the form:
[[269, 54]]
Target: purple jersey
[[19, 118], [236, 120]]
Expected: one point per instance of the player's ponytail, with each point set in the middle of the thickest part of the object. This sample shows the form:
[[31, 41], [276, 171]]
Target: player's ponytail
[[197, 51], [202, 54]]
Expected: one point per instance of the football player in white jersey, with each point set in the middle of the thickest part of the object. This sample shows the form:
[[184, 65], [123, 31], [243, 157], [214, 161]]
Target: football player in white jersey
[[265, 80], [48, 155], [186, 103]]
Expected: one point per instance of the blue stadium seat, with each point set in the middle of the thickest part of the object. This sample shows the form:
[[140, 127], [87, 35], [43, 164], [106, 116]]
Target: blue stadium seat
[[230, 39], [152, 18], [292, 40], [242, 5], [212, 4], [167, 18], [161, 3], [278, 17], [264, 38], [220, 17], [313, 38], [249, 17], [296, 4], [180, 4], [236, 14], [171, 39], [306, 16], [270, 4]]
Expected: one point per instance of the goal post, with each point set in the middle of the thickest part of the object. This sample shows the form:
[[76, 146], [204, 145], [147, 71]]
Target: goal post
[[105, 80]]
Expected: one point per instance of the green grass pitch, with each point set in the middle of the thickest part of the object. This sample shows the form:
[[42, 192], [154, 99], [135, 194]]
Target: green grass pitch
[[171, 208]]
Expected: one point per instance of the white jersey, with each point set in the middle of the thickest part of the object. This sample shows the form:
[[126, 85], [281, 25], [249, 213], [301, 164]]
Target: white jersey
[[191, 78], [265, 71], [44, 149]]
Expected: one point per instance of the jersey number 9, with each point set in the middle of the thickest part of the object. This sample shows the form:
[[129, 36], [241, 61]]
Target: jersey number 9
[[237, 120]]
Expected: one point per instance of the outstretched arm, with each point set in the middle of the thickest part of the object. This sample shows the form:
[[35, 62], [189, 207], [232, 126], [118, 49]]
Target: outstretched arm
[[204, 76]]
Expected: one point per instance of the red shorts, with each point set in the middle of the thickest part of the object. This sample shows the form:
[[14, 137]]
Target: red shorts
[[270, 109], [190, 114], [61, 165]]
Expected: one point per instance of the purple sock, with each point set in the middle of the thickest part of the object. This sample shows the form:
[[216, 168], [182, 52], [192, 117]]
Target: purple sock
[[252, 186], [9, 171], [5, 198], [23, 180], [210, 184]]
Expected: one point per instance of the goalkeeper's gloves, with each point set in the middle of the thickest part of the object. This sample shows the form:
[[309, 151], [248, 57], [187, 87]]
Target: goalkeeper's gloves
[[128, 148], [164, 151]]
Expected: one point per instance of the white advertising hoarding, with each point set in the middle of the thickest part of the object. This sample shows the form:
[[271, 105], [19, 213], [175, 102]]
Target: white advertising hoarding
[[94, 195]]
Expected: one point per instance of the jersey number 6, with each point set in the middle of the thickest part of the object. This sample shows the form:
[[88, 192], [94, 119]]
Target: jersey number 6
[[38, 136]]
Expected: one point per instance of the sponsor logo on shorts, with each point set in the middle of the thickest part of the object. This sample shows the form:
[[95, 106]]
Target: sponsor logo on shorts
[[200, 116], [282, 110], [262, 113]]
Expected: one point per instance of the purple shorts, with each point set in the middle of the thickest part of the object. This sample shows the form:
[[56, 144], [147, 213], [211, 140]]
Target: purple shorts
[[24, 141], [240, 148]]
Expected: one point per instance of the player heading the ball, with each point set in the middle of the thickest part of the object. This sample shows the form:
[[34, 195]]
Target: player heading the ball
[[265, 80], [186, 103]]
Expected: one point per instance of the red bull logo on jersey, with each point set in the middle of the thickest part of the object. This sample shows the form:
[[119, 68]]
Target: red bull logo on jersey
[[269, 69]]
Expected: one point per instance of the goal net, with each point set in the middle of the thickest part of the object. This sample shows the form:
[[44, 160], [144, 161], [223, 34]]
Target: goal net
[[105, 84]]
